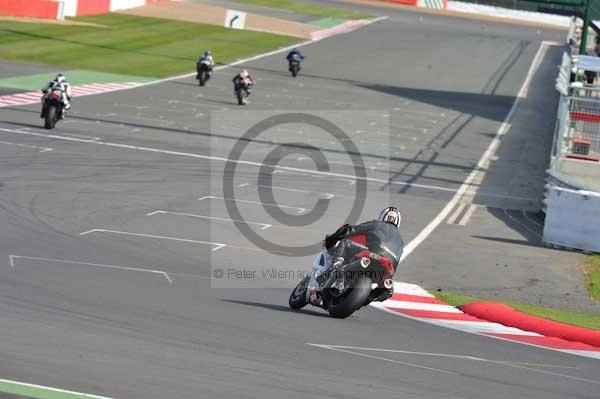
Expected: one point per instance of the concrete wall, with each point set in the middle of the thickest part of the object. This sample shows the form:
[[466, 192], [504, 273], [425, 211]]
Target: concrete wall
[[572, 219], [586, 173]]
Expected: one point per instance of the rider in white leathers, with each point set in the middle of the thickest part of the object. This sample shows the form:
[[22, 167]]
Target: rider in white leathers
[[60, 84]]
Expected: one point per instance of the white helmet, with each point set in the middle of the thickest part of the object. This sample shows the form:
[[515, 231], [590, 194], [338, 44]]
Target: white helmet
[[390, 215], [60, 78], [244, 74]]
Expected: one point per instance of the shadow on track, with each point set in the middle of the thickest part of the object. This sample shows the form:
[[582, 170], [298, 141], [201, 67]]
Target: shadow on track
[[521, 222], [277, 308], [256, 141], [509, 241]]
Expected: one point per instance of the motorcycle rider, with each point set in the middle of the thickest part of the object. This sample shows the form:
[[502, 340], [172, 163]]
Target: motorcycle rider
[[293, 54], [390, 216], [60, 84], [206, 59], [244, 80]]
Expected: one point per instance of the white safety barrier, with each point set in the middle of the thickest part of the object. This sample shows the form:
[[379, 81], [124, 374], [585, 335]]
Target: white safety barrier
[[572, 219], [116, 5], [528, 16]]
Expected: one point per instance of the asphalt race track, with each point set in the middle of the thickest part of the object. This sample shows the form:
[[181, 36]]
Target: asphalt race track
[[128, 309]]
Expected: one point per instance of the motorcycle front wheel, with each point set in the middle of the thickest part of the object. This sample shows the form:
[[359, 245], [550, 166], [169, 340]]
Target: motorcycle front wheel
[[51, 117], [298, 296]]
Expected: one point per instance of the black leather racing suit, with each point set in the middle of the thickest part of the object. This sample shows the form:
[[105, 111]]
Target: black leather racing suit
[[381, 238]]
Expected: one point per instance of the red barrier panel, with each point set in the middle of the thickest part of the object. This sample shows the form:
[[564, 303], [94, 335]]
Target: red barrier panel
[[506, 315], [585, 117], [29, 8], [91, 7]]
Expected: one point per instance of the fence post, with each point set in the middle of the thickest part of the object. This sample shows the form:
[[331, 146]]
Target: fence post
[[586, 26]]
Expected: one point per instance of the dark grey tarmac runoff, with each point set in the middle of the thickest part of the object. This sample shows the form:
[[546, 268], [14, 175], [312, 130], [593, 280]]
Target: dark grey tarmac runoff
[[118, 226]]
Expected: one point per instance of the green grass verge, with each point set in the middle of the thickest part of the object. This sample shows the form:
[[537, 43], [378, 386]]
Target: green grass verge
[[588, 320], [76, 77], [38, 392], [130, 45], [328, 22], [308, 8], [592, 274]]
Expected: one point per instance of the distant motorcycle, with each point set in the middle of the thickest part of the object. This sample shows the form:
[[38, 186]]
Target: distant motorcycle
[[204, 72], [242, 90], [295, 64], [52, 108], [355, 278]]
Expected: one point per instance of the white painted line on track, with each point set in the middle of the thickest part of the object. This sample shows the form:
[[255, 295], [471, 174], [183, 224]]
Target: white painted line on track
[[504, 128], [298, 209], [454, 215], [336, 348], [570, 377], [81, 136], [136, 269], [465, 219], [350, 182], [45, 388], [264, 226], [41, 149], [216, 245], [347, 177], [445, 355], [293, 190]]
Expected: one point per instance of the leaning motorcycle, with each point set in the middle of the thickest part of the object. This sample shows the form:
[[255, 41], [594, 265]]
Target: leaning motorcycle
[[52, 108], [204, 72], [295, 64], [242, 91], [356, 277]]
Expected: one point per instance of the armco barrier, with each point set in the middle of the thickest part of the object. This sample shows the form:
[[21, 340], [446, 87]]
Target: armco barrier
[[507, 316], [30, 8]]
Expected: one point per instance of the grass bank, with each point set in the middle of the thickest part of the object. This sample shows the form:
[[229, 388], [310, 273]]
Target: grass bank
[[592, 275], [130, 45], [308, 8], [588, 320]]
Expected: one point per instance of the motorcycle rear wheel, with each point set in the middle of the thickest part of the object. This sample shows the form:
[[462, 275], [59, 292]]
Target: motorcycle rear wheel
[[351, 300]]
